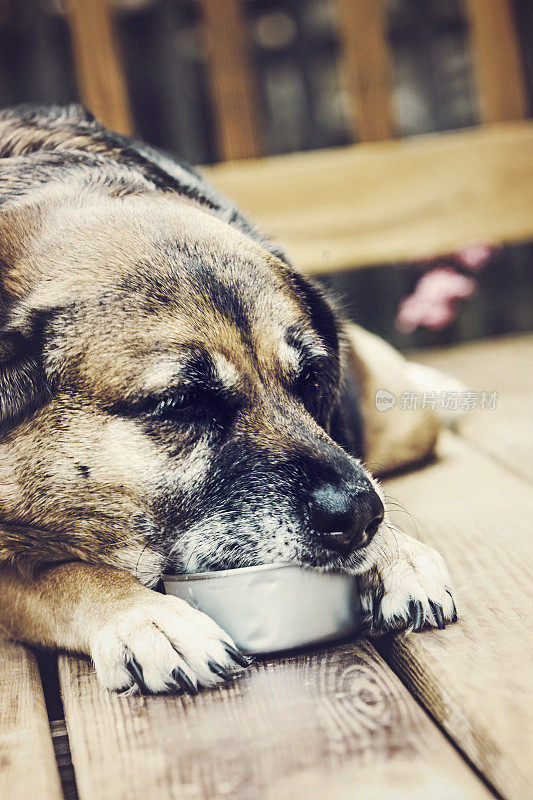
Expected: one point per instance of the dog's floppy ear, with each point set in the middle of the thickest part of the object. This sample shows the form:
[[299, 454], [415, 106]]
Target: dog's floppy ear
[[345, 424], [323, 315], [23, 384]]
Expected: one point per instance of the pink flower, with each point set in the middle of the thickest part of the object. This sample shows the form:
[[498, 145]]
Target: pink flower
[[433, 304], [475, 256]]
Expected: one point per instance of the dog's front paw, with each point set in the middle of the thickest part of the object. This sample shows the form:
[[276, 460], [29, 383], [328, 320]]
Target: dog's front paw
[[408, 590], [163, 645]]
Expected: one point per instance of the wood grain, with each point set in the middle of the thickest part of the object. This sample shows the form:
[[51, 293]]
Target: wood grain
[[229, 72], [316, 725], [476, 677], [497, 60], [390, 201], [501, 365], [27, 763], [101, 81], [363, 32]]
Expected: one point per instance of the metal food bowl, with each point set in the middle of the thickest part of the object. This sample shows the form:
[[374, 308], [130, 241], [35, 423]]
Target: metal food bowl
[[274, 607]]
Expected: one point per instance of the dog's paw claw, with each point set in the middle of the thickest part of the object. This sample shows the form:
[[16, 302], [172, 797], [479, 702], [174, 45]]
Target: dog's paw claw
[[438, 614], [416, 614], [237, 656], [135, 670], [454, 611], [183, 681], [218, 669]]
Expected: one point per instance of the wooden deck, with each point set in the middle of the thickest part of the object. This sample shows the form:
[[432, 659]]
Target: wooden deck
[[444, 715]]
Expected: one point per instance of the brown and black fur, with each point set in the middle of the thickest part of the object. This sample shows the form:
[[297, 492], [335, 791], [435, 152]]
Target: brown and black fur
[[173, 395]]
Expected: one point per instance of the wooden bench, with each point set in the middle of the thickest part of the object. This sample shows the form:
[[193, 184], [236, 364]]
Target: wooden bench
[[442, 714], [379, 201]]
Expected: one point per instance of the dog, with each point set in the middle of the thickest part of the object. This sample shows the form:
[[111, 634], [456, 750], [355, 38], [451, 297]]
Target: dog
[[175, 396]]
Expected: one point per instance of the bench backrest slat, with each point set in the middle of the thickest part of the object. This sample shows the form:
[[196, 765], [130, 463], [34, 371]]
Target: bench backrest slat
[[368, 64], [99, 70], [497, 60], [231, 82]]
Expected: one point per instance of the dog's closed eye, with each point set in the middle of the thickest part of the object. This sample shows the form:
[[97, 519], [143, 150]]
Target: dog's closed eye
[[183, 408], [189, 407], [170, 406], [310, 390], [315, 387]]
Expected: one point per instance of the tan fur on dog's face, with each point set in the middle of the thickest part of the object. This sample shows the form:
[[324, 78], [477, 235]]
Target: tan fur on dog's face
[[179, 422]]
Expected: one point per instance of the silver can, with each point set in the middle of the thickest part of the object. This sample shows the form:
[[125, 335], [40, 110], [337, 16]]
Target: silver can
[[274, 607]]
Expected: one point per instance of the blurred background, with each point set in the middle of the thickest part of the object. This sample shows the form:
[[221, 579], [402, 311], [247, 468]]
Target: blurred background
[[427, 240]]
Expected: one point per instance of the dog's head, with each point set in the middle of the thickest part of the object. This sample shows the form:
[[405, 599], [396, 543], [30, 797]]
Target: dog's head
[[167, 392]]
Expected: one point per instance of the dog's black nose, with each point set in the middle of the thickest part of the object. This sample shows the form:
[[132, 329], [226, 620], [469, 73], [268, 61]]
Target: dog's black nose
[[345, 519]]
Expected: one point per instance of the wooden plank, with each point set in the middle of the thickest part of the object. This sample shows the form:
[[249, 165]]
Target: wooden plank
[[505, 359], [497, 60], [99, 71], [504, 366], [391, 201], [27, 763], [363, 30], [476, 677], [318, 725], [229, 73]]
